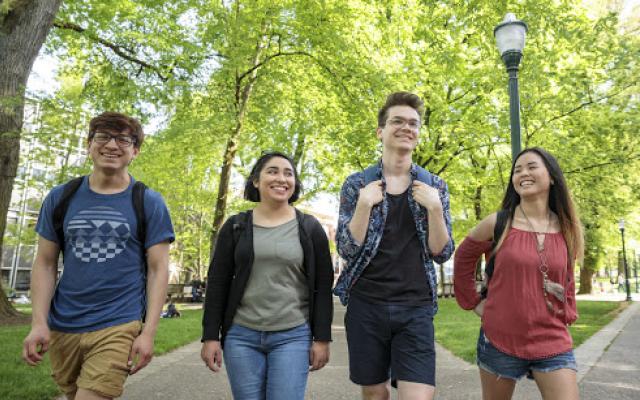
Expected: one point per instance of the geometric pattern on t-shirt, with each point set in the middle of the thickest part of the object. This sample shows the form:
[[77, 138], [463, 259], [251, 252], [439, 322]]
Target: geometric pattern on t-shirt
[[98, 234]]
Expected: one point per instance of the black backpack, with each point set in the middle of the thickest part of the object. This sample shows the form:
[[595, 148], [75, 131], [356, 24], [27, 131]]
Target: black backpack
[[370, 174], [137, 197], [70, 189], [501, 222]]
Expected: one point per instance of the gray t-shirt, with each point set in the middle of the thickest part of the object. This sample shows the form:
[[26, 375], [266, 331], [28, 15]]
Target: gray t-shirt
[[276, 297]]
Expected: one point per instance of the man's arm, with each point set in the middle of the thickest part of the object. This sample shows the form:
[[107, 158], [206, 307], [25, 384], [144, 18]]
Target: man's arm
[[353, 219], [370, 195], [43, 281], [157, 280]]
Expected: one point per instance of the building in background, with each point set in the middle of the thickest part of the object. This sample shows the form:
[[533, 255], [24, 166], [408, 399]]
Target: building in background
[[46, 158]]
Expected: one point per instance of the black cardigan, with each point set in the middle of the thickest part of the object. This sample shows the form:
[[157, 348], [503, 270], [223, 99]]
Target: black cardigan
[[231, 266]]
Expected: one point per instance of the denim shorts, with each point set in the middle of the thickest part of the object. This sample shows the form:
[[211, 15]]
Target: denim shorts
[[504, 365], [390, 341]]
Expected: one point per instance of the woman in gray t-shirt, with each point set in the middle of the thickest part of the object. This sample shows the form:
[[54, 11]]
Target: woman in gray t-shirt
[[268, 302]]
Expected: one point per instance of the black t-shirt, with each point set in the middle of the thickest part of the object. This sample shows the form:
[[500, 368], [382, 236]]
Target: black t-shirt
[[396, 273]]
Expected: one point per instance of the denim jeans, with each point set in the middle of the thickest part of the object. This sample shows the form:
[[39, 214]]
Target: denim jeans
[[267, 365]]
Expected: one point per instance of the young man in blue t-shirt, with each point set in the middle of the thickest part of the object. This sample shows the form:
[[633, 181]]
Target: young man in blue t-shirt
[[92, 320]]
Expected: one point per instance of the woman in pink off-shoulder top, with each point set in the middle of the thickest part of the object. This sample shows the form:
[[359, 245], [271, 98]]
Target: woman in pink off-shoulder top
[[531, 294]]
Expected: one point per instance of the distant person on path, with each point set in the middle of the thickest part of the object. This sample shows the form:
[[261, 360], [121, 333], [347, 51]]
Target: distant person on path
[[530, 297], [114, 235], [268, 302], [172, 310], [394, 223]]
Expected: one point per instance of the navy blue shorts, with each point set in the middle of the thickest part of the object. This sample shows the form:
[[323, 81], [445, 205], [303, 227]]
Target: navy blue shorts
[[390, 341], [498, 363]]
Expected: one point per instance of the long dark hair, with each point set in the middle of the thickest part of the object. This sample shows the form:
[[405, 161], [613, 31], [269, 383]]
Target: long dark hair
[[251, 193], [560, 203]]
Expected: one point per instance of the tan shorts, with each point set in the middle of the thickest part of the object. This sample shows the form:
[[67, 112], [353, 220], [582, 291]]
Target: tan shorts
[[95, 361]]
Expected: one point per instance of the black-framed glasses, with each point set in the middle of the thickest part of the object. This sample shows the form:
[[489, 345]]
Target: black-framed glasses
[[398, 123], [121, 140]]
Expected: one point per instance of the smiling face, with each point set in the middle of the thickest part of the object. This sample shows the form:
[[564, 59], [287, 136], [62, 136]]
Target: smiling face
[[277, 181], [530, 175], [111, 157], [401, 129]]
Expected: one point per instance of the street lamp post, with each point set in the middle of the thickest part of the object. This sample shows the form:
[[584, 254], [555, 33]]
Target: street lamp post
[[624, 261], [510, 36]]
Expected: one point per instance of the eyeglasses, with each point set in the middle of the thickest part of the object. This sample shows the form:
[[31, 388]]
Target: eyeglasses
[[121, 140], [399, 123]]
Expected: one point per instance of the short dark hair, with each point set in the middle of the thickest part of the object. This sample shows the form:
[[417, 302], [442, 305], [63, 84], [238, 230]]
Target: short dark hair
[[400, 99], [251, 193], [117, 122]]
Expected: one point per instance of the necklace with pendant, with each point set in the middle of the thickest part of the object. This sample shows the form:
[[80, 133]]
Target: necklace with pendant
[[548, 286]]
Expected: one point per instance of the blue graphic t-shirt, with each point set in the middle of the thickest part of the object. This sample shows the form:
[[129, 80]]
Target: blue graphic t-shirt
[[103, 280]]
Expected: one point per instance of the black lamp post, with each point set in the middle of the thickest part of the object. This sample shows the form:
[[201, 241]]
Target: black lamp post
[[624, 261], [510, 35]]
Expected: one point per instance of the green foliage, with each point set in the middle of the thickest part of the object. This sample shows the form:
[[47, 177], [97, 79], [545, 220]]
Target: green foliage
[[308, 77]]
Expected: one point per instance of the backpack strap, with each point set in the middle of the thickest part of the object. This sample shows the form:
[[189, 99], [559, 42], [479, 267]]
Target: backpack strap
[[240, 222], [423, 175], [60, 210], [370, 174], [501, 222], [137, 197]]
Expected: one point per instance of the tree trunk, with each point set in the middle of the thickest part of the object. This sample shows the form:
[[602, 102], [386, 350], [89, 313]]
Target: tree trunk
[[477, 207], [592, 255], [242, 95], [585, 281], [587, 270], [22, 32]]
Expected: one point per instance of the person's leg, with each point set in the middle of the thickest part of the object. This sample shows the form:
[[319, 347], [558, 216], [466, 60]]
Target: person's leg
[[246, 363], [556, 376], [369, 344], [499, 371], [560, 384], [84, 394], [380, 391], [105, 369], [288, 363], [496, 387], [413, 356], [66, 357], [415, 391]]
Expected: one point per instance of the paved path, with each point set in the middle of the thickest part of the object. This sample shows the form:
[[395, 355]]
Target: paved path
[[609, 365]]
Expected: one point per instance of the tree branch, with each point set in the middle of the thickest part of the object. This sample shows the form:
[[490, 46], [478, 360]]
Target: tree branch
[[292, 53], [578, 108], [603, 164], [121, 51]]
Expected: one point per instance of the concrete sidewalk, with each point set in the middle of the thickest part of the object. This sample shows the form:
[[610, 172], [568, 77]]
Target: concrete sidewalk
[[609, 364]]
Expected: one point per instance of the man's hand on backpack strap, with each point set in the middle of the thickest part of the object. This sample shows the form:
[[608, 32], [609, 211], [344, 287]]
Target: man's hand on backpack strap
[[427, 196]]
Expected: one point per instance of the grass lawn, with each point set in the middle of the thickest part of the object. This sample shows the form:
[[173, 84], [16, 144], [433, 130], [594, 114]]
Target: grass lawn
[[20, 381], [457, 329]]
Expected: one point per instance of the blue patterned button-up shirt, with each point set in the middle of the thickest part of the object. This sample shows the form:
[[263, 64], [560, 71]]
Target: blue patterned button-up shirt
[[358, 256]]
